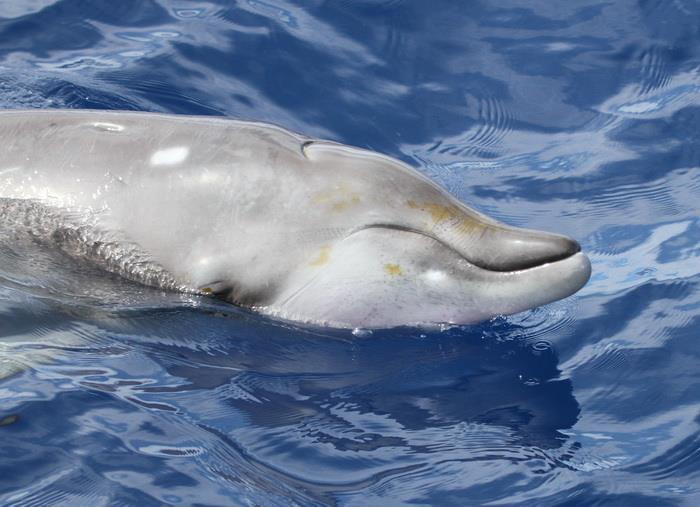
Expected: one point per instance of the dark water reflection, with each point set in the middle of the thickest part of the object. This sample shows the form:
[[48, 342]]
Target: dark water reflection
[[245, 401], [579, 117]]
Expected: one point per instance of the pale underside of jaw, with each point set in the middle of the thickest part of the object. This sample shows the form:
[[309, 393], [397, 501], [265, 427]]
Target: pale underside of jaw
[[340, 298]]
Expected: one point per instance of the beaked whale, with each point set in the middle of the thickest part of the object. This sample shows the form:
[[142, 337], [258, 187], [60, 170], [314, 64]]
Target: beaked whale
[[301, 229]]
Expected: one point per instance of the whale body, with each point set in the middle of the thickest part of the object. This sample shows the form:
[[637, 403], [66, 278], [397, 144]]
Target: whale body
[[301, 229]]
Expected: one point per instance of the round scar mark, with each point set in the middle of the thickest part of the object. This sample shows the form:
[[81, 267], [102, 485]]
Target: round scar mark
[[170, 156], [323, 257], [108, 127], [393, 269]]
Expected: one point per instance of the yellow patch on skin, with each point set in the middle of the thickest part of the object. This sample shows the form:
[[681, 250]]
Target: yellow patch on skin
[[465, 225], [393, 269], [440, 213], [341, 205], [206, 290], [324, 256], [338, 198]]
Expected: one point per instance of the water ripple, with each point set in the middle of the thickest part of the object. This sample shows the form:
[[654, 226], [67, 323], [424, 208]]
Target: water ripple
[[580, 119]]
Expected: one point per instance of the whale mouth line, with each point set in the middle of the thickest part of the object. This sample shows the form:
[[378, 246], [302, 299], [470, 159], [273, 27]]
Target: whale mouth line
[[514, 267]]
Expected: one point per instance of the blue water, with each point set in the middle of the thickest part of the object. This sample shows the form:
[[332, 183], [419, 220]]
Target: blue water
[[578, 117]]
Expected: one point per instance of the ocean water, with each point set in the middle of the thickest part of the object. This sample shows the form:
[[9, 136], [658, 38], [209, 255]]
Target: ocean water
[[579, 117]]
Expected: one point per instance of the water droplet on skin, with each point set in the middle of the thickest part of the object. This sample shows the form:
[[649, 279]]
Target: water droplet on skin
[[361, 333]]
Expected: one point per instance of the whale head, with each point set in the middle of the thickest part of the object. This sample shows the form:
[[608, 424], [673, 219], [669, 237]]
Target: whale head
[[309, 230], [419, 256]]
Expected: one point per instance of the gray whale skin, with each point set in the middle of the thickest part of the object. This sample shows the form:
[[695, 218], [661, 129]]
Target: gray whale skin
[[300, 229]]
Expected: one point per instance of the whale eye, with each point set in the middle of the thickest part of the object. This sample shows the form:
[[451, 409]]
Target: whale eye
[[217, 288]]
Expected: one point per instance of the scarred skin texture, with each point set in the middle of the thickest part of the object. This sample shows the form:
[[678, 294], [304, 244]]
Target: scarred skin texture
[[305, 230]]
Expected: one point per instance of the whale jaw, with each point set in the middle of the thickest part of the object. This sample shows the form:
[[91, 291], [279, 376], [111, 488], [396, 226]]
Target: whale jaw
[[382, 277]]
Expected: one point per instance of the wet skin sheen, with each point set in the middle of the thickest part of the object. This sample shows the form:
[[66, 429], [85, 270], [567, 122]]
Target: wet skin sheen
[[305, 230]]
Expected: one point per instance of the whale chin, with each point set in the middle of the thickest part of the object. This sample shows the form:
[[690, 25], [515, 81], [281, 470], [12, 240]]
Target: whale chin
[[381, 277]]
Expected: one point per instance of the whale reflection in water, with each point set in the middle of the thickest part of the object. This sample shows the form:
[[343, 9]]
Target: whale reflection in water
[[256, 401]]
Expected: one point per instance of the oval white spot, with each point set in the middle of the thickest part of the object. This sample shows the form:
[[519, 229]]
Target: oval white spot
[[108, 127], [435, 275], [170, 156]]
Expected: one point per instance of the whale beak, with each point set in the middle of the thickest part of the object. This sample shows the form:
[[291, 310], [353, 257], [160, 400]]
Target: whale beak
[[414, 203], [503, 248], [489, 244]]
